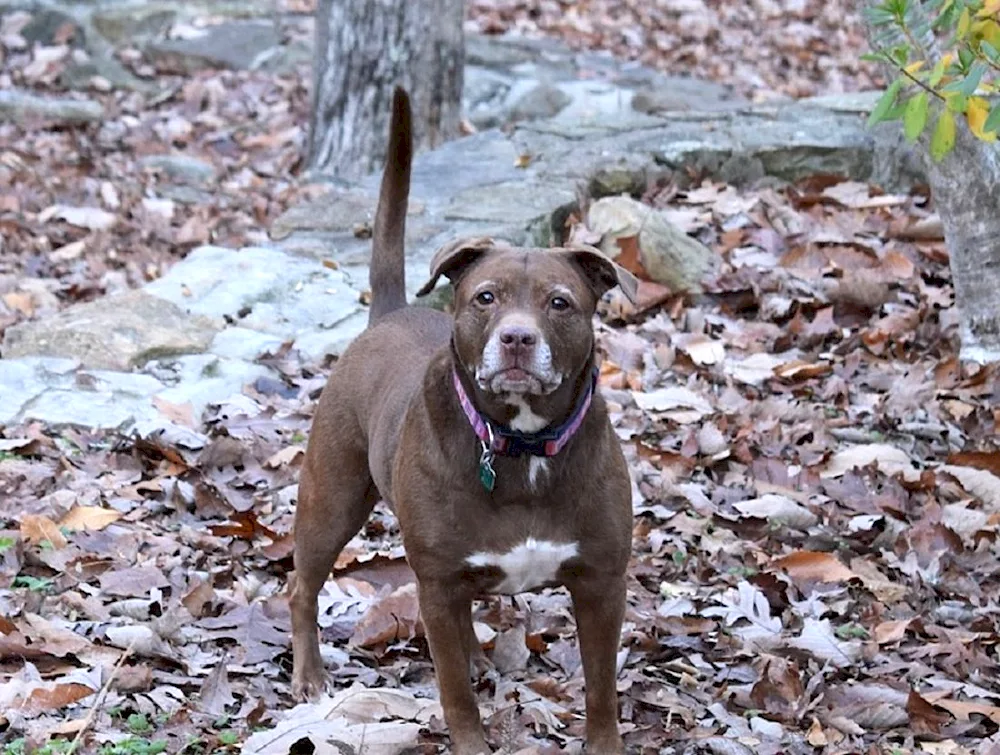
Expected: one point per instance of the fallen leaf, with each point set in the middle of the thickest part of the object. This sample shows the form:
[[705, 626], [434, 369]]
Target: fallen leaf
[[778, 510], [889, 459], [817, 637], [813, 566], [88, 518], [37, 529]]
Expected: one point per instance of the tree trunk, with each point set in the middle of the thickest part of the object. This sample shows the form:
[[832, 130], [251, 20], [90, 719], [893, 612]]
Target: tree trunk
[[965, 187], [364, 48], [966, 190]]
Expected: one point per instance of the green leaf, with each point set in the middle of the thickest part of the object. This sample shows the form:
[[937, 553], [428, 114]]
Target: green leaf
[[885, 102], [936, 74], [943, 139], [965, 57], [957, 103], [915, 117], [896, 112], [900, 55], [993, 121], [968, 85], [989, 50], [879, 16], [873, 57]]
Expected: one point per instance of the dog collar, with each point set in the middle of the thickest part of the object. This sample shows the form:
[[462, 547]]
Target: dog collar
[[503, 441]]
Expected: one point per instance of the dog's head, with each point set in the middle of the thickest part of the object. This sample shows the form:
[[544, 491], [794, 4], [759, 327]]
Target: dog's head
[[523, 317]]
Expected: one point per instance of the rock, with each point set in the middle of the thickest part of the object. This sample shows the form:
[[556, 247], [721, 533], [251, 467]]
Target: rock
[[116, 333], [511, 51], [181, 168], [21, 380], [614, 180], [203, 379], [63, 395], [317, 344], [337, 212], [22, 107], [488, 157], [131, 23], [483, 95], [261, 289], [48, 24], [682, 93], [243, 343], [542, 101], [515, 202], [240, 45], [669, 255], [440, 298], [84, 408]]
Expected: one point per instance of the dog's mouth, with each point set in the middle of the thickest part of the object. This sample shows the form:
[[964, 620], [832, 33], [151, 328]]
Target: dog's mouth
[[516, 380]]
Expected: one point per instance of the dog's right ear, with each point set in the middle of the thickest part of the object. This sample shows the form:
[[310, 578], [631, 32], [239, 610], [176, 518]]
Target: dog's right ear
[[454, 259]]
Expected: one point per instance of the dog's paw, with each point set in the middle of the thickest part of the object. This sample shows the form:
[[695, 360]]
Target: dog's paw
[[309, 684]]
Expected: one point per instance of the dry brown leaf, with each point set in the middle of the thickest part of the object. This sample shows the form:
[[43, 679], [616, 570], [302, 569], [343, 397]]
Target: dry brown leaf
[[88, 518], [392, 618], [284, 457], [37, 529], [813, 566], [182, 414], [888, 632]]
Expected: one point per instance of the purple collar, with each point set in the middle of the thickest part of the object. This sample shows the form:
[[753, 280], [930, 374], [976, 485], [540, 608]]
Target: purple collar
[[503, 441]]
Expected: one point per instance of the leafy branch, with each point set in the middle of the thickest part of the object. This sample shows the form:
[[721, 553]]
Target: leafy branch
[[946, 56]]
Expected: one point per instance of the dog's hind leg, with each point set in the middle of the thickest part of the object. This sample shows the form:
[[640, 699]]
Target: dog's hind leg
[[336, 495]]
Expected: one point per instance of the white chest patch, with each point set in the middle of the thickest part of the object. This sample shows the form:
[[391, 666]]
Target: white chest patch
[[537, 466], [531, 564], [526, 421]]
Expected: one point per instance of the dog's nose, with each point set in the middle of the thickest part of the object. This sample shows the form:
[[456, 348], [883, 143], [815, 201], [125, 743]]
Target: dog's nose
[[518, 337]]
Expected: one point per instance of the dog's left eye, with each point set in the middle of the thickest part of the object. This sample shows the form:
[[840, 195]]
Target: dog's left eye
[[485, 297], [559, 304]]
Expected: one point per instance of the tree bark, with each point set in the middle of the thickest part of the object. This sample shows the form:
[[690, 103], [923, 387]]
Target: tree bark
[[965, 187], [364, 48]]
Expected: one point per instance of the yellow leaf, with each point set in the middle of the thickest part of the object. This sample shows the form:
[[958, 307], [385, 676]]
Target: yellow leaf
[[987, 31], [990, 8], [976, 113], [964, 22], [915, 66], [947, 59]]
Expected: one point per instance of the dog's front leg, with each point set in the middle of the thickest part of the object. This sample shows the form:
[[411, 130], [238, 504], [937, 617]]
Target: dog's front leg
[[446, 613], [599, 605]]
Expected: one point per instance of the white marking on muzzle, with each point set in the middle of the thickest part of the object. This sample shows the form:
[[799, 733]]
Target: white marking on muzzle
[[540, 365], [531, 564]]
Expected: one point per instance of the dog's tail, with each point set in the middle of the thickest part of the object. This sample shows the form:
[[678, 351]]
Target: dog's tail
[[387, 278]]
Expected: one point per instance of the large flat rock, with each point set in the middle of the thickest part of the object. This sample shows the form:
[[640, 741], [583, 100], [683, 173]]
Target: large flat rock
[[240, 45], [260, 289], [115, 333], [23, 380]]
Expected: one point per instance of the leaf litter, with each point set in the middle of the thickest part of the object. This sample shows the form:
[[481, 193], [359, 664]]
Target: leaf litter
[[815, 481], [814, 560]]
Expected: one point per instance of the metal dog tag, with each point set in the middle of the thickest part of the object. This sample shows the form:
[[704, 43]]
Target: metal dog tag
[[487, 475]]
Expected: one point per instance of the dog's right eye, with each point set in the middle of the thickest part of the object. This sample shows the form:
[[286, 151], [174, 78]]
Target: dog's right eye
[[485, 297]]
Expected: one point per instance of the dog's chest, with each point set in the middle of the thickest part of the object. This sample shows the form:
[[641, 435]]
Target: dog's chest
[[528, 565]]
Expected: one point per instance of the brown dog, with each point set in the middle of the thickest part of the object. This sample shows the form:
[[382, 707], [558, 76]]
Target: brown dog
[[488, 436]]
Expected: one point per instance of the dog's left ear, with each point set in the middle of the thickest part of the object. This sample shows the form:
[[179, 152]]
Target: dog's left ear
[[454, 259], [601, 272]]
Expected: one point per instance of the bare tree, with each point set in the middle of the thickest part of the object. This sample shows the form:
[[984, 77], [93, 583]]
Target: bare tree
[[364, 48]]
